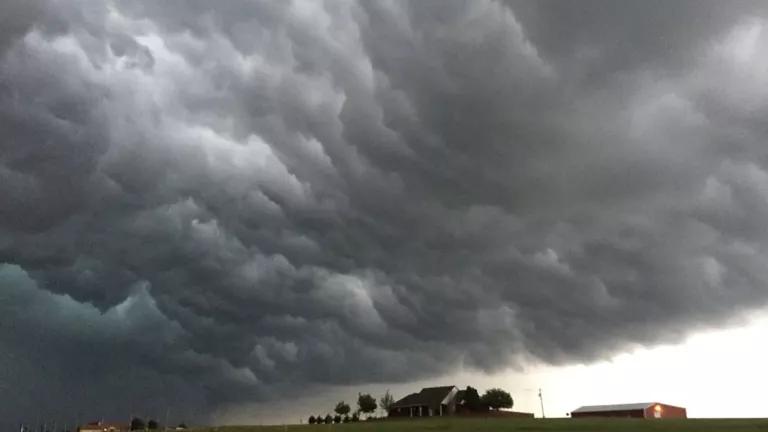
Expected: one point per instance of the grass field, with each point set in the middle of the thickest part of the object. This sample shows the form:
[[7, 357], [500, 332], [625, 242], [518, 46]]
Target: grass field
[[529, 425]]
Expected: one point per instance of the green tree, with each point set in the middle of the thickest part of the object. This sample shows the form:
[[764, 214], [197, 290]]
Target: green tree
[[386, 402], [152, 425], [137, 424], [366, 403], [328, 419], [311, 420], [472, 399], [497, 398], [342, 408]]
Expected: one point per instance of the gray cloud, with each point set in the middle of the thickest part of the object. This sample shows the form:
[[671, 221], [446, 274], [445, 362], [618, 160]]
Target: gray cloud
[[216, 206]]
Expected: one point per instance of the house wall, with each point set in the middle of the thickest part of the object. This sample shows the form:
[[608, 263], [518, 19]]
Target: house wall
[[399, 412], [449, 402], [406, 412]]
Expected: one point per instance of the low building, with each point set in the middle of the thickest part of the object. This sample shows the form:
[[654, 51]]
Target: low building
[[648, 410], [101, 426], [430, 401]]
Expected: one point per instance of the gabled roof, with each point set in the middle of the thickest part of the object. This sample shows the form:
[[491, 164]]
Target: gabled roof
[[434, 396], [617, 407], [429, 396], [410, 400]]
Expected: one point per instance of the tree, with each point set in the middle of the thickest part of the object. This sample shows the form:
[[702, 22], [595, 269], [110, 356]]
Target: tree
[[366, 403], [137, 424], [342, 408], [472, 399], [346, 419], [152, 425], [386, 402], [337, 418], [497, 398], [328, 419], [311, 419], [355, 417]]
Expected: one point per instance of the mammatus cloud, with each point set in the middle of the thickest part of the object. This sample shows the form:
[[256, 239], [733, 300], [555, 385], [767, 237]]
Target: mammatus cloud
[[201, 207]]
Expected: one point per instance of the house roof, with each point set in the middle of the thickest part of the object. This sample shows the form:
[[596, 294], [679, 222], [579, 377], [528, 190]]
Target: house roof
[[617, 407], [410, 400], [429, 396], [435, 395]]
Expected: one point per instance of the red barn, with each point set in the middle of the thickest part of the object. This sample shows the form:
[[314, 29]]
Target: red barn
[[648, 410]]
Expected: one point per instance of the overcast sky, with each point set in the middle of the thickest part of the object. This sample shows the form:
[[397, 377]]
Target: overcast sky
[[219, 208]]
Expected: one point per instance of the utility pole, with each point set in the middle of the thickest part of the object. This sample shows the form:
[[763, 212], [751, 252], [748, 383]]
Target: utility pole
[[541, 399]]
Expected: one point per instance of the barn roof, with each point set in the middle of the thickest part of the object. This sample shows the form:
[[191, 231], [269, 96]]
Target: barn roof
[[617, 407]]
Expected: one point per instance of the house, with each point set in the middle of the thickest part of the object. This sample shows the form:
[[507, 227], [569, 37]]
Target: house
[[445, 401], [430, 401], [648, 410]]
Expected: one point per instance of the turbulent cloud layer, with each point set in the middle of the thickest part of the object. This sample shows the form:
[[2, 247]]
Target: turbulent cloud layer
[[204, 205]]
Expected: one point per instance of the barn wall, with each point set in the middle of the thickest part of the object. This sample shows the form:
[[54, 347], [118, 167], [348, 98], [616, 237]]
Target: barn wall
[[638, 413], [667, 411]]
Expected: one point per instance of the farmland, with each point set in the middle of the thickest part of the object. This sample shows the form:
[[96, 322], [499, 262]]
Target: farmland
[[532, 425]]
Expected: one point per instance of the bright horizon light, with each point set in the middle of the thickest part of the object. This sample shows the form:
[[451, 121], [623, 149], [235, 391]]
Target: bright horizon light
[[688, 375], [711, 374]]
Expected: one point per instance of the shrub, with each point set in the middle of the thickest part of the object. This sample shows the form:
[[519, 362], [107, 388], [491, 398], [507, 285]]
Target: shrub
[[137, 424]]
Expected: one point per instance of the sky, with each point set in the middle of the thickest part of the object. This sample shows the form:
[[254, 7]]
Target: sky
[[243, 212]]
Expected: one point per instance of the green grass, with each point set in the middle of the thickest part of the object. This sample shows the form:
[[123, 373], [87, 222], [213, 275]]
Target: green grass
[[529, 425]]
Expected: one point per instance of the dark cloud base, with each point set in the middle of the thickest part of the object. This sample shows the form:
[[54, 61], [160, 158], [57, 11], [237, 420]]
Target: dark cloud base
[[208, 207]]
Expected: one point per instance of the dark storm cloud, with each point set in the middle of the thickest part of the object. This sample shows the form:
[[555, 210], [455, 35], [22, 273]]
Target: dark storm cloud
[[212, 206]]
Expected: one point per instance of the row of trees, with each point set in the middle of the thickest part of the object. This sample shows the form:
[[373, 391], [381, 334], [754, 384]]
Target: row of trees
[[494, 398], [138, 424], [366, 405], [335, 419]]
